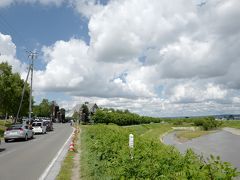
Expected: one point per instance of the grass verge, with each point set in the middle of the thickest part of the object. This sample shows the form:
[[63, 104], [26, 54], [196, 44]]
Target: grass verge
[[231, 123], [149, 131], [188, 135], [66, 169], [106, 155], [68, 163]]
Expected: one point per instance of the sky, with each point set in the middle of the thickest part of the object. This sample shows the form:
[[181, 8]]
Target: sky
[[154, 57]]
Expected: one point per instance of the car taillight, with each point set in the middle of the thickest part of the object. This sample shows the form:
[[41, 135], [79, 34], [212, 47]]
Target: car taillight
[[21, 129]]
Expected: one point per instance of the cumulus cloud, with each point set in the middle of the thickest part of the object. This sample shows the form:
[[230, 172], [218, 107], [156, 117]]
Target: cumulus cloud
[[156, 55], [8, 53], [130, 27], [70, 68], [87, 7]]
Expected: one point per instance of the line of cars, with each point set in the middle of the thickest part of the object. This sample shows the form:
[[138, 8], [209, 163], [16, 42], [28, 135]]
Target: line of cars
[[25, 132]]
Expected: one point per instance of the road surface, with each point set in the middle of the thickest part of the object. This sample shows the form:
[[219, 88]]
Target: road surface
[[28, 160], [221, 143]]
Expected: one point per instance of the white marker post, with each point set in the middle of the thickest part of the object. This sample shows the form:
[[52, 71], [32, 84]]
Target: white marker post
[[131, 144]]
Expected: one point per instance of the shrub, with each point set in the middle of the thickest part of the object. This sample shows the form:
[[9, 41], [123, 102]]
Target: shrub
[[122, 118], [207, 123], [108, 157]]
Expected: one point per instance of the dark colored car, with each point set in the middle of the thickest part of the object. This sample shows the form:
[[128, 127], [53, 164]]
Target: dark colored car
[[49, 125]]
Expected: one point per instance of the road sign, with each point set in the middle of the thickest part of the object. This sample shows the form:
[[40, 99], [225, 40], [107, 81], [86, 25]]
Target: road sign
[[131, 140]]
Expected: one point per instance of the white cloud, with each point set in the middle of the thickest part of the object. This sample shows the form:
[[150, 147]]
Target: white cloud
[[130, 27], [8, 53], [71, 69], [154, 57], [192, 92], [87, 7]]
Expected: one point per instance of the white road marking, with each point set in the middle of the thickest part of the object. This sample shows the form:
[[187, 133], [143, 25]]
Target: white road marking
[[45, 173]]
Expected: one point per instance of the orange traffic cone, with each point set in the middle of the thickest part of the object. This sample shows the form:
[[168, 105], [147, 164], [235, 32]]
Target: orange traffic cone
[[71, 148]]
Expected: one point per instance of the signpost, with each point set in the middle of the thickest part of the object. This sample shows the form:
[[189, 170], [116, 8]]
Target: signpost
[[131, 144]]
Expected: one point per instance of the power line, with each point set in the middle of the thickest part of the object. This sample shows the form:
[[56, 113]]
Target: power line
[[23, 92], [32, 56]]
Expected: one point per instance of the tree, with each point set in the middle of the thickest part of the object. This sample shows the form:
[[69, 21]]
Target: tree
[[75, 115], [11, 86], [43, 109], [85, 113]]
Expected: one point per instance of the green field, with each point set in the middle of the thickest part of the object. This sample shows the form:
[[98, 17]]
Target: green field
[[232, 124], [105, 155]]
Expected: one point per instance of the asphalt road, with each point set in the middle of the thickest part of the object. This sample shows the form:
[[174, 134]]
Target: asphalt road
[[221, 143], [28, 160]]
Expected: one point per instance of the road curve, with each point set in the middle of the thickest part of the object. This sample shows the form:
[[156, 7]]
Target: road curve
[[28, 160], [221, 143]]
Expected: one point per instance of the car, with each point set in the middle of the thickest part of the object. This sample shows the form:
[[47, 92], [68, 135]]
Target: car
[[39, 127], [49, 124], [18, 131]]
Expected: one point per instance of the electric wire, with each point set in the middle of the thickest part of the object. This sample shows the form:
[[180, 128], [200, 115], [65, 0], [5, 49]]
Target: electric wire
[[23, 91]]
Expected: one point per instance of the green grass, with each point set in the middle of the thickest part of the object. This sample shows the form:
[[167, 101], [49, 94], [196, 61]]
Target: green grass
[[188, 135], [66, 170], [149, 131], [85, 172], [105, 155], [67, 166], [232, 124]]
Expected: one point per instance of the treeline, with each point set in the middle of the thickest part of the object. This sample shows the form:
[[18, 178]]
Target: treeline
[[207, 123], [122, 118], [43, 109]]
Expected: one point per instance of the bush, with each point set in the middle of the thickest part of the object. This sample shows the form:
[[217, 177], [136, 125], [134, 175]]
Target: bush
[[122, 118], [207, 123], [179, 122], [108, 157]]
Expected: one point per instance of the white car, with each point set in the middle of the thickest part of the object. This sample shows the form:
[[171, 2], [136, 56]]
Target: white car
[[39, 127], [18, 131]]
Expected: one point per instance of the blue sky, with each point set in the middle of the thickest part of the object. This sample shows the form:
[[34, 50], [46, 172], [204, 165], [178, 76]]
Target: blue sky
[[153, 57], [32, 26]]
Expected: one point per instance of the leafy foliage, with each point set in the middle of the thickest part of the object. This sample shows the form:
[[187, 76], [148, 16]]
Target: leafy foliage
[[43, 109], [207, 123], [85, 113], [122, 118], [11, 86], [75, 115], [107, 157]]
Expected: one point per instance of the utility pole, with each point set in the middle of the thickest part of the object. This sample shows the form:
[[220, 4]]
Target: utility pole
[[32, 56], [23, 91]]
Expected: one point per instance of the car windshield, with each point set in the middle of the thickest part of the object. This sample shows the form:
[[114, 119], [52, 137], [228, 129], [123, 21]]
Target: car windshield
[[37, 124]]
